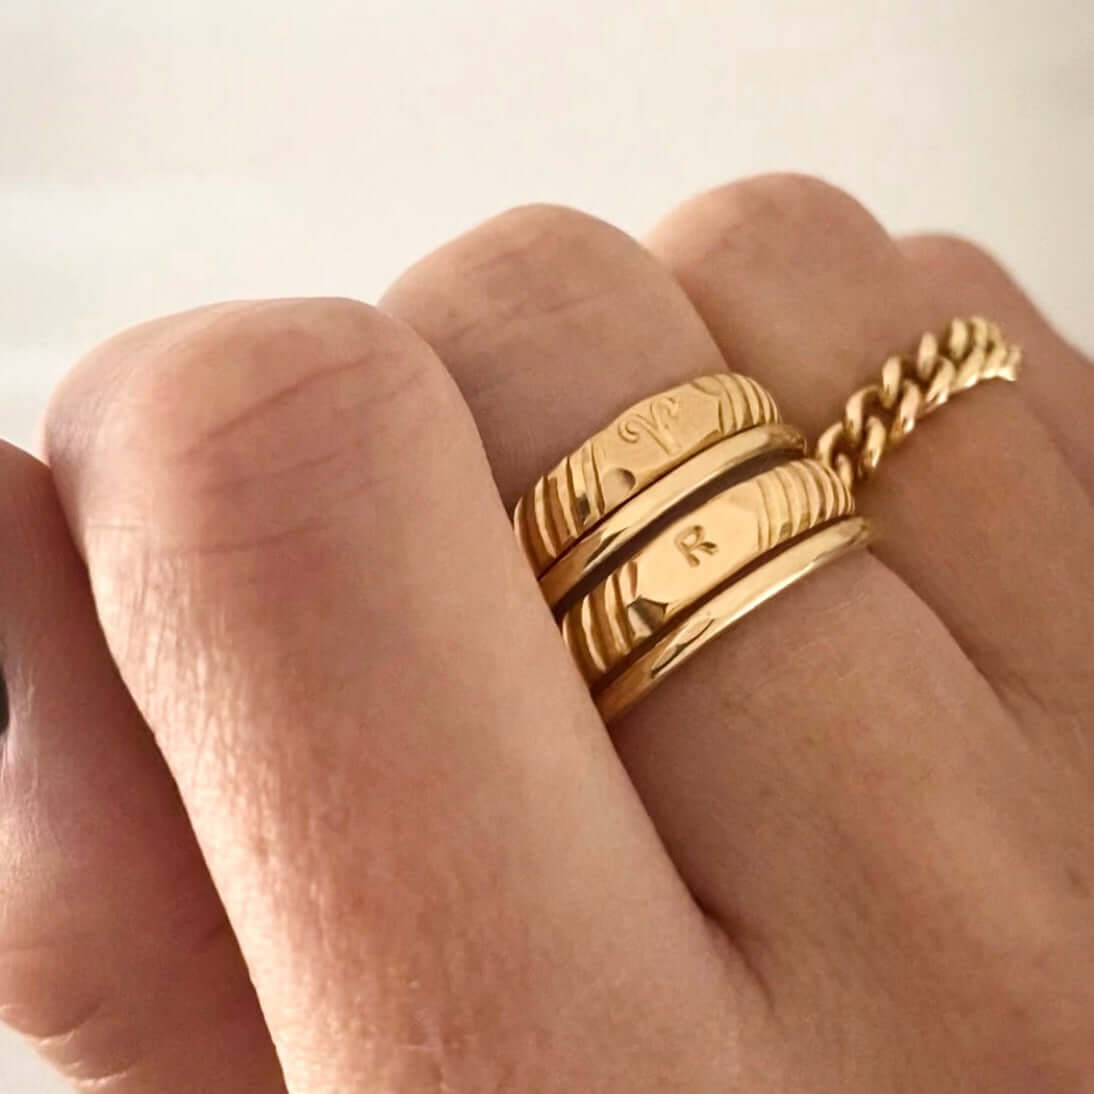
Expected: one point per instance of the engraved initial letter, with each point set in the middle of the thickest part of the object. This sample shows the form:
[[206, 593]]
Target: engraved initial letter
[[691, 541], [655, 423]]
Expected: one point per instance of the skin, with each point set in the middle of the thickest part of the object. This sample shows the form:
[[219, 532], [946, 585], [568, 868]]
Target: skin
[[300, 791]]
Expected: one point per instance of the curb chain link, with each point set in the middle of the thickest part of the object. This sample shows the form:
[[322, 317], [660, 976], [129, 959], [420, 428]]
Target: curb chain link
[[879, 416]]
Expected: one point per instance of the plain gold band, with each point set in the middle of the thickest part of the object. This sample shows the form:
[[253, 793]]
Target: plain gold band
[[697, 554], [630, 519], [678, 643]]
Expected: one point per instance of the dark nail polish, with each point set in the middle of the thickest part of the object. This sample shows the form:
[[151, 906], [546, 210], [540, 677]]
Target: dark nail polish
[[3, 703]]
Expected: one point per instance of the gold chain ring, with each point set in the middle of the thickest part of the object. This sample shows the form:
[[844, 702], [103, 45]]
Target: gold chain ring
[[879, 416]]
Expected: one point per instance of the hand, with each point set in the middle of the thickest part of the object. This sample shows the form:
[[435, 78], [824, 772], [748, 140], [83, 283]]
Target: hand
[[849, 847]]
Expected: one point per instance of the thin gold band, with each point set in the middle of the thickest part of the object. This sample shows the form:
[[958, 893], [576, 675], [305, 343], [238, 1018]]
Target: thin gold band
[[679, 643], [618, 529], [697, 554]]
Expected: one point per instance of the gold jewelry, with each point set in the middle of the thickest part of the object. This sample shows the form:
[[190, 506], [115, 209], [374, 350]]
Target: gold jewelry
[[615, 531], [972, 350], [704, 571], [641, 445], [696, 555], [682, 641]]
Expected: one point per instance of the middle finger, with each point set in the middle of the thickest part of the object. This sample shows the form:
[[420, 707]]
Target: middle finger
[[552, 323]]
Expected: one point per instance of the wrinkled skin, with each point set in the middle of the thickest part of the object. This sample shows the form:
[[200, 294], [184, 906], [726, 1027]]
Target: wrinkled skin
[[301, 792]]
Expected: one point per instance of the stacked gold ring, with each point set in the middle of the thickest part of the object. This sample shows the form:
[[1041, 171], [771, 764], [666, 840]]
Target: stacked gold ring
[[694, 506]]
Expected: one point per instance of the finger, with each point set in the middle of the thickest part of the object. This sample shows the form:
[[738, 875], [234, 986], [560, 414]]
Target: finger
[[116, 960], [1059, 382], [496, 305], [759, 781], [437, 872], [981, 513]]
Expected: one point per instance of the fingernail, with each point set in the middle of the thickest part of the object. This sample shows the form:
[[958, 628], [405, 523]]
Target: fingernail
[[3, 703]]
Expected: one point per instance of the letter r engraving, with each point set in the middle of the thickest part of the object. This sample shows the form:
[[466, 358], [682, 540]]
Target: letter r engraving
[[692, 541]]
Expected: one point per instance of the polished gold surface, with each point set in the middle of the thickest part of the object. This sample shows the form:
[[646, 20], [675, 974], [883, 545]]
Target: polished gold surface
[[695, 555], [681, 641], [641, 445], [878, 416], [618, 529]]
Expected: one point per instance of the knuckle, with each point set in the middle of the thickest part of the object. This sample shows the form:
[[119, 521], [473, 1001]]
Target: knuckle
[[260, 418], [538, 226], [780, 213], [802, 199], [531, 261]]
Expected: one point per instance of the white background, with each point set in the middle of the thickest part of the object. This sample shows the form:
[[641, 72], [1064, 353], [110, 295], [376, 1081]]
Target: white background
[[157, 154]]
